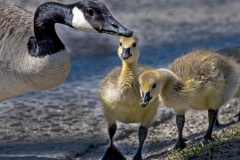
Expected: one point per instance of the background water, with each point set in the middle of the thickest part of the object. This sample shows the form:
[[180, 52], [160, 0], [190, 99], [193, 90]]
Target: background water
[[68, 119]]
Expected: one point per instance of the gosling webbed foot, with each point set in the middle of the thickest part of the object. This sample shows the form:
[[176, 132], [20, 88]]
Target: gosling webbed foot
[[180, 145], [206, 140], [112, 153]]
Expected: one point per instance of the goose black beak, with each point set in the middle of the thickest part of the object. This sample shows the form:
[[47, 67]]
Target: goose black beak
[[126, 53], [114, 27], [146, 98]]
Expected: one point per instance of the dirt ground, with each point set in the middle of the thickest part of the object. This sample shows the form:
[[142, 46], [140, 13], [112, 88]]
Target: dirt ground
[[229, 149]]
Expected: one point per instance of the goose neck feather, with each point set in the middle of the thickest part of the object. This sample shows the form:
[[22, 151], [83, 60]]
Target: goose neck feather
[[46, 41], [128, 73], [172, 88]]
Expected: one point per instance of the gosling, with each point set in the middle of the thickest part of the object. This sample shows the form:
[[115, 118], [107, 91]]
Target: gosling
[[201, 80], [120, 96]]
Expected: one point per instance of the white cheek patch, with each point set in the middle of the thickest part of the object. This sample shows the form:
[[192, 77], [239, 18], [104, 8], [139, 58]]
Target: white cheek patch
[[79, 22]]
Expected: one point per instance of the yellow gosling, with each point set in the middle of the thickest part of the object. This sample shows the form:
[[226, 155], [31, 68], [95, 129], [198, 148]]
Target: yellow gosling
[[120, 96], [201, 80]]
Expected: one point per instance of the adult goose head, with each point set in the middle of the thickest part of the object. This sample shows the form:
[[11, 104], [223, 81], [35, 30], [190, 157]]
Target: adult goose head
[[85, 15]]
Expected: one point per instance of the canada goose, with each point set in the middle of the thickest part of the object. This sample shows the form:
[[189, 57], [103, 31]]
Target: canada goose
[[32, 57], [201, 80], [120, 96]]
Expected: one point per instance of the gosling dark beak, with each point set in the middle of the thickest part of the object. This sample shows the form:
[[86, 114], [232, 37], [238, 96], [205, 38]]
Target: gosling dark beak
[[114, 27], [145, 99], [126, 53]]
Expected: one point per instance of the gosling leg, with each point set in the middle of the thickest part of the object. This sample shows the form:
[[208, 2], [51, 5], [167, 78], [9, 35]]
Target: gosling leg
[[180, 120], [142, 134], [112, 152], [212, 116]]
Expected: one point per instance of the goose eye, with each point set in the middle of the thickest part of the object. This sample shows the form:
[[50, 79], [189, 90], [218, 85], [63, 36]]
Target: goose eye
[[90, 11], [134, 44], [120, 43], [154, 86]]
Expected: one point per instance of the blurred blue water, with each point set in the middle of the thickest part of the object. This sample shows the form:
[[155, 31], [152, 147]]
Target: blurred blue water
[[98, 65]]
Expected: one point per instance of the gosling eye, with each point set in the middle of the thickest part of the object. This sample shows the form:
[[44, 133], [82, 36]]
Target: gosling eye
[[154, 86], [120, 43], [90, 11], [134, 44]]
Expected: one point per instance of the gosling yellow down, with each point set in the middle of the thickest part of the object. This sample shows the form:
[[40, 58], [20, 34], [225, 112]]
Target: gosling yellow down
[[201, 80], [120, 96]]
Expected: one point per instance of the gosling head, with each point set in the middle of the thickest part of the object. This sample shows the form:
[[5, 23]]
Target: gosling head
[[93, 16], [128, 49], [150, 86]]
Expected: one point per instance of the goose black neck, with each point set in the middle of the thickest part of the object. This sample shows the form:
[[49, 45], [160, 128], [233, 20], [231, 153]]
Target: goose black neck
[[46, 41]]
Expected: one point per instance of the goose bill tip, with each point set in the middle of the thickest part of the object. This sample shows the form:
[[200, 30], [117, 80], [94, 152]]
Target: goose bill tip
[[113, 27], [127, 34]]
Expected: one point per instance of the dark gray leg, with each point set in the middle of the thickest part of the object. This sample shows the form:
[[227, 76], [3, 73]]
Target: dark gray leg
[[112, 152], [142, 134], [212, 116], [180, 120]]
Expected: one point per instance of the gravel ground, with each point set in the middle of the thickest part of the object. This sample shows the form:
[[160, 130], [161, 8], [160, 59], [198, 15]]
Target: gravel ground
[[68, 119]]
